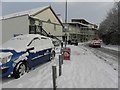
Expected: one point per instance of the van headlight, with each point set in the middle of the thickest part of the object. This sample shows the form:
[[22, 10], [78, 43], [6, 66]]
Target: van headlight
[[5, 59]]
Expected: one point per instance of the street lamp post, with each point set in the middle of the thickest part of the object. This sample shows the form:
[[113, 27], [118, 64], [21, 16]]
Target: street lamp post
[[66, 23], [66, 12]]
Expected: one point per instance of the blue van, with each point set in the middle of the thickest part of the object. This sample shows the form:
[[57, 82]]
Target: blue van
[[23, 52]]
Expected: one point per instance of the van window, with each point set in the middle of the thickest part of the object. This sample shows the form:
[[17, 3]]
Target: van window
[[38, 44], [32, 43]]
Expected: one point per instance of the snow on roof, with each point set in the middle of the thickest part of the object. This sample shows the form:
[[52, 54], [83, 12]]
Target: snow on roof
[[30, 36], [20, 43], [78, 23], [29, 12]]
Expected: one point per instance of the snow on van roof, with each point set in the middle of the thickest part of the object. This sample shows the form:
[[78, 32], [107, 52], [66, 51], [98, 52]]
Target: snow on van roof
[[29, 12], [30, 36], [19, 43]]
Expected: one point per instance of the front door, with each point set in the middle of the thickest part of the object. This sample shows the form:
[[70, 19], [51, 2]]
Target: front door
[[35, 56]]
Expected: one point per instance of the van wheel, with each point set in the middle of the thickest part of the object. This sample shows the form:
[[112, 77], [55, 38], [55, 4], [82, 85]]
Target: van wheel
[[19, 70], [53, 55]]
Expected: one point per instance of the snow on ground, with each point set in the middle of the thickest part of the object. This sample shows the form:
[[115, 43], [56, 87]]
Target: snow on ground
[[84, 70], [111, 47], [109, 59], [37, 78]]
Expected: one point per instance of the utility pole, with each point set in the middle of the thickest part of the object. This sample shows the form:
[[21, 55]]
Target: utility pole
[[66, 12], [65, 23]]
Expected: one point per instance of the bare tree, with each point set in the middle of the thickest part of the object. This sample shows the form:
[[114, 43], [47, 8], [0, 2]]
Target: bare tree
[[109, 28]]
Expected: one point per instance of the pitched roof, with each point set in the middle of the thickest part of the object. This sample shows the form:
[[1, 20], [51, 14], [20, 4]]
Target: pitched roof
[[84, 21], [31, 12], [81, 24]]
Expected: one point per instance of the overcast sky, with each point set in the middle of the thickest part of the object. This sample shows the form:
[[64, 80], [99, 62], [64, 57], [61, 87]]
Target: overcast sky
[[94, 12]]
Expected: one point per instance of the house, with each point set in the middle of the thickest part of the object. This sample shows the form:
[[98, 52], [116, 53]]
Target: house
[[40, 20], [80, 29]]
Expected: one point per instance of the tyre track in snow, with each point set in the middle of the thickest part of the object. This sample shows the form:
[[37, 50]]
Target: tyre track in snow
[[109, 58], [110, 52]]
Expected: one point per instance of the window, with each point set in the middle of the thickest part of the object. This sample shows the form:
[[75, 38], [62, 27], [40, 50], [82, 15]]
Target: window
[[32, 29], [32, 41], [36, 43]]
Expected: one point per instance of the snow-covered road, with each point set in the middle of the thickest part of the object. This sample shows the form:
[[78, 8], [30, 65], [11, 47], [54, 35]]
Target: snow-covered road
[[111, 47], [84, 70]]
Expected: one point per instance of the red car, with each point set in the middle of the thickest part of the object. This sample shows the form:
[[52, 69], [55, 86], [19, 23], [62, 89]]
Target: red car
[[95, 43]]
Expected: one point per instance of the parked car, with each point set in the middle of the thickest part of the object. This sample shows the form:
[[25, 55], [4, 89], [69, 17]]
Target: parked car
[[95, 43], [23, 52], [74, 42]]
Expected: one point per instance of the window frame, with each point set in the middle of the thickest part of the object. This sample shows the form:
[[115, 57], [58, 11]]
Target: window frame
[[33, 40]]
